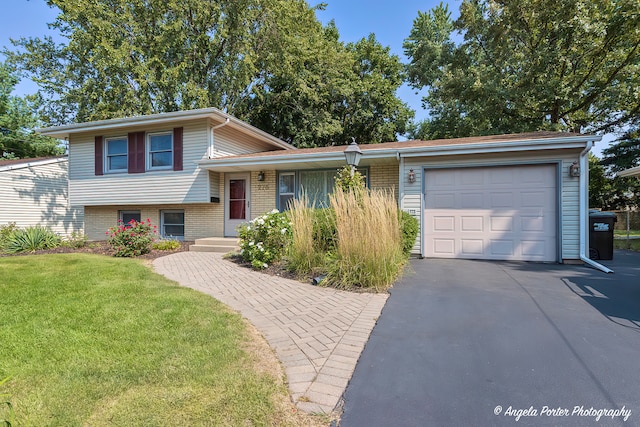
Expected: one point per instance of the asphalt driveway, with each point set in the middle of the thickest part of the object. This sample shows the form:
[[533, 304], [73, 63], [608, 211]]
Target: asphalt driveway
[[461, 341]]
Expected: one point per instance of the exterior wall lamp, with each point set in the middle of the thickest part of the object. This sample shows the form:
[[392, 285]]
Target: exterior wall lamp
[[353, 154], [574, 170], [412, 176], [261, 176]]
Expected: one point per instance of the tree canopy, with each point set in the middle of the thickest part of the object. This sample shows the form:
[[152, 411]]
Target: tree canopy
[[270, 62], [17, 120], [527, 65]]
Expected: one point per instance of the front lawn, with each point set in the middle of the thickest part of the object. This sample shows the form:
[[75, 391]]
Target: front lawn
[[93, 340]]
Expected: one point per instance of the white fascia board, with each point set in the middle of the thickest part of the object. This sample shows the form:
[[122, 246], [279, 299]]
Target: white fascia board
[[286, 159], [100, 125], [498, 147], [64, 131], [630, 172], [28, 164], [439, 150]]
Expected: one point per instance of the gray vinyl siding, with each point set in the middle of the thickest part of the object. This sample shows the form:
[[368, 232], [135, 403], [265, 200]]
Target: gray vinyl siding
[[228, 142], [411, 198], [191, 185], [38, 195]]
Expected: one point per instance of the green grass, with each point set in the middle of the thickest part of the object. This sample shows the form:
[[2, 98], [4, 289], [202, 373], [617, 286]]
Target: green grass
[[631, 244], [623, 233], [91, 340]]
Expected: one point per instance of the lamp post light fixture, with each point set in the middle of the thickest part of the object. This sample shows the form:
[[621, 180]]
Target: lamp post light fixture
[[352, 154]]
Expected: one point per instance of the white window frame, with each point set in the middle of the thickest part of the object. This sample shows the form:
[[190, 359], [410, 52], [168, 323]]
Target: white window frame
[[297, 181], [162, 223], [149, 152], [107, 156], [128, 211], [292, 194]]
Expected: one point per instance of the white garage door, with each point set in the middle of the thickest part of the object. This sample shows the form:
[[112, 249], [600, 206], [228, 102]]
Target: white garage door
[[501, 213]]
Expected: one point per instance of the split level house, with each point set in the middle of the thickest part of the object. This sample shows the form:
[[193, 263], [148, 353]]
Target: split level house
[[201, 173]]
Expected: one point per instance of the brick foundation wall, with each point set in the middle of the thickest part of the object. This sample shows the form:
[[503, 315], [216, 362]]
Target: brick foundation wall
[[201, 220]]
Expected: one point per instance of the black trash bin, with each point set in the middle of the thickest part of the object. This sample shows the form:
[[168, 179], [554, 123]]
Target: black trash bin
[[601, 234]]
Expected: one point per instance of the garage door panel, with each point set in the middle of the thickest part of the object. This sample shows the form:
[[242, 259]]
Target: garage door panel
[[533, 248], [443, 223], [532, 223], [501, 200], [500, 248], [472, 223], [471, 201], [492, 213], [444, 247], [443, 201], [472, 247]]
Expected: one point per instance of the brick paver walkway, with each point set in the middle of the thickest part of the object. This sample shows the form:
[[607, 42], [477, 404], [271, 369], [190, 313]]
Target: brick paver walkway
[[317, 333]]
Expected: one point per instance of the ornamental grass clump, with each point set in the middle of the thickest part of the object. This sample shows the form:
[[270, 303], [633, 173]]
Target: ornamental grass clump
[[369, 244], [132, 239], [32, 239], [265, 239], [313, 238]]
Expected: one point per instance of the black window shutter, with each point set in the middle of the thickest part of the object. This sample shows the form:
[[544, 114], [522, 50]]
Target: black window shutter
[[177, 149], [136, 152], [99, 153]]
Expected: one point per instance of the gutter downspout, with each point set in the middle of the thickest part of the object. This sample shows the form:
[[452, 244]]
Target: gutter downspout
[[584, 209], [211, 138]]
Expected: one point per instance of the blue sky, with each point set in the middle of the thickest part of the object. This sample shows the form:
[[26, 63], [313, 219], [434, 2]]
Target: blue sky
[[391, 22]]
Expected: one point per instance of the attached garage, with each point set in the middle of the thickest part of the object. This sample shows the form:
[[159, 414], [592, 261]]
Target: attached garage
[[505, 213]]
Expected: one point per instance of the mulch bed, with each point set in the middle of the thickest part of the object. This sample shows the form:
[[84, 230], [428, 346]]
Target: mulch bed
[[102, 248]]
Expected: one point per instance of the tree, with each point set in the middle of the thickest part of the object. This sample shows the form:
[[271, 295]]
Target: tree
[[615, 192], [624, 153], [17, 120], [610, 192], [269, 62], [527, 65], [332, 93]]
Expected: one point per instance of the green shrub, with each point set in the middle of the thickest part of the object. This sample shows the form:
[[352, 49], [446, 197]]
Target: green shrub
[[348, 183], [166, 245], [6, 233], [76, 240], [265, 239], [409, 227], [132, 239], [32, 239]]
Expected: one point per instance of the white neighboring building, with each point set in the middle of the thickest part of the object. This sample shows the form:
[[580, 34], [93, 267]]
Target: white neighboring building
[[36, 191]]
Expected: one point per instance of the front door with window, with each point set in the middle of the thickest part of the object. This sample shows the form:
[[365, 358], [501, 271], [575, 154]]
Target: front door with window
[[236, 202]]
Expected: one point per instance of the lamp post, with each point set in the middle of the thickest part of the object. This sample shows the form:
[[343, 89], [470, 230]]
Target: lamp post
[[352, 154]]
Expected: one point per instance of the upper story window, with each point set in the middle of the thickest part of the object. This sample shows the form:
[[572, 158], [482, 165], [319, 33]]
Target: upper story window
[[116, 154], [160, 150]]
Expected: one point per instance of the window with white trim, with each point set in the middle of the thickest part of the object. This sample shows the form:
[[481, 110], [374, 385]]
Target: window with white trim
[[172, 224], [160, 150], [116, 155], [316, 183], [286, 189], [126, 217]]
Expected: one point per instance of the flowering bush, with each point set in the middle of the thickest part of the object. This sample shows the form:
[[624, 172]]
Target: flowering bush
[[132, 239], [265, 239]]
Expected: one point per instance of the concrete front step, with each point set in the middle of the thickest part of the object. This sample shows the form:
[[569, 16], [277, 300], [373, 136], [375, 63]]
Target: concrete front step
[[215, 244]]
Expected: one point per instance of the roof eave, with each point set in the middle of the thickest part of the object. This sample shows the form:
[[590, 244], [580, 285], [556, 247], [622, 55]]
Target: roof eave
[[222, 163], [630, 172], [65, 131]]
